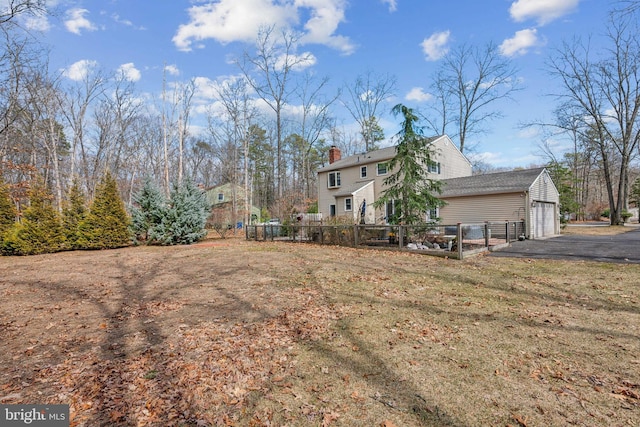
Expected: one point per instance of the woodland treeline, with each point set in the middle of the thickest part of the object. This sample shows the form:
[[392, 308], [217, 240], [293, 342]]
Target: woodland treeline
[[269, 127]]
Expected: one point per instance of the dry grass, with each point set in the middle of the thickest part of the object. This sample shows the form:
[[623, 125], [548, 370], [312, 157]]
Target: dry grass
[[345, 337], [599, 230]]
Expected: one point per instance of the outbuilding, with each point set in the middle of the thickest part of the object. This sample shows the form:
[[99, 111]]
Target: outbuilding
[[527, 195]]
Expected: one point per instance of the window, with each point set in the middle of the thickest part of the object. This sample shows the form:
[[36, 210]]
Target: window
[[332, 210], [221, 197], [348, 204], [432, 214], [382, 168], [334, 180], [363, 172], [433, 167]]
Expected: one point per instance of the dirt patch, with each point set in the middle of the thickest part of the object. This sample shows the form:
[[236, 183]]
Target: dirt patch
[[258, 333]]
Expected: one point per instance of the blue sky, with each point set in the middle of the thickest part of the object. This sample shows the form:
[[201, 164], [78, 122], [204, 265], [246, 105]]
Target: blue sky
[[404, 38]]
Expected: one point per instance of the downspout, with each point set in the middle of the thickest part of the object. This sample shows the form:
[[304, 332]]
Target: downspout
[[527, 215]]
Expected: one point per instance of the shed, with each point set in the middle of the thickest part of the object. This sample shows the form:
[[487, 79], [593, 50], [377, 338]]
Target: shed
[[527, 195]]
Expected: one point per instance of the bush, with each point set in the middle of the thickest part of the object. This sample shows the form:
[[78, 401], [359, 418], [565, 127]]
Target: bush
[[147, 216], [40, 230], [107, 223], [7, 210], [184, 220], [73, 214]]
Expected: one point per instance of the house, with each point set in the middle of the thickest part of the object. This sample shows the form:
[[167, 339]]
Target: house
[[348, 187], [528, 195], [227, 203]]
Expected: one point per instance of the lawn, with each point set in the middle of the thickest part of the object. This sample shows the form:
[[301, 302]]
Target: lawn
[[229, 332]]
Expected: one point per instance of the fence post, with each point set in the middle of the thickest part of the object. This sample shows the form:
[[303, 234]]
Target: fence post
[[507, 233], [355, 235], [459, 238], [486, 234]]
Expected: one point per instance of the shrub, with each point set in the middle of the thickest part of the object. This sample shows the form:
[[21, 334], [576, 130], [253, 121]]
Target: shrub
[[7, 210], [184, 220], [148, 213], [107, 223], [40, 230], [73, 213]]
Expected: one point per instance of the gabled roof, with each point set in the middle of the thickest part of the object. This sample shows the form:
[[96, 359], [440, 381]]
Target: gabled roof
[[377, 156], [491, 183]]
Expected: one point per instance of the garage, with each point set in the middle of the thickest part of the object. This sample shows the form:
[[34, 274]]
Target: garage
[[544, 217], [527, 195]]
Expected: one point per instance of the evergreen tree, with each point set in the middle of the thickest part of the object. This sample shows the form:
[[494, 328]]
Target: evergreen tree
[[185, 218], [107, 223], [563, 179], [149, 212], [73, 214], [40, 230], [410, 186], [7, 210]]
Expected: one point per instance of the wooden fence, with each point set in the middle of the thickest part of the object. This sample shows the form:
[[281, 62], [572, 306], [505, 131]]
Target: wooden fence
[[454, 241]]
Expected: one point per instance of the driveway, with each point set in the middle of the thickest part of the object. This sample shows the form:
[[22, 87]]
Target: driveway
[[620, 248]]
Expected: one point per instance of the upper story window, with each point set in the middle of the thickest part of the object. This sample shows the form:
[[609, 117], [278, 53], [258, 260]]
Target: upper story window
[[348, 204], [433, 167], [333, 180], [221, 197], [382, 168], [363, 172]]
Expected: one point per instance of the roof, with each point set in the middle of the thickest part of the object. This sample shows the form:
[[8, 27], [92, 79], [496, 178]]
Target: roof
[[491, 183], [377, 156], [351, 189]]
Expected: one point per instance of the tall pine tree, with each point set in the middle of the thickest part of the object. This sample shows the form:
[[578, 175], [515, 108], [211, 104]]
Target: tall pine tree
[[107, 223], [410, 186], [40, 230]]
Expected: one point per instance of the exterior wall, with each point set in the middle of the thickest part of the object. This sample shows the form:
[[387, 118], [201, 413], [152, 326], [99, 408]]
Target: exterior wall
[[543, 190], [491, 207], [453, 164]]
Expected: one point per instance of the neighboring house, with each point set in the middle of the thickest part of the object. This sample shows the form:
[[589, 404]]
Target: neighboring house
[[348, 187], [227, 202], [528, 195]]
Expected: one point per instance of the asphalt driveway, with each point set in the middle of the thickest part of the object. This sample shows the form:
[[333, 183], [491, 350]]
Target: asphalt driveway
[[619, 248]]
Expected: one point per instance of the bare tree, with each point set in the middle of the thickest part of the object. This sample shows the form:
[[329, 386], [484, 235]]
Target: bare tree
[[269, 72], [14, 8], [366, 94], [469, 82], [605, 92]]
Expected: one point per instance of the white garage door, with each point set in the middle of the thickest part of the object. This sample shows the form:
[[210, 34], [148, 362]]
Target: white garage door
[[544, 219]]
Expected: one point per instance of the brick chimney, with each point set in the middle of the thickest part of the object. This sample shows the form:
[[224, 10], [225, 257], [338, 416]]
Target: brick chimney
[[334, 154]]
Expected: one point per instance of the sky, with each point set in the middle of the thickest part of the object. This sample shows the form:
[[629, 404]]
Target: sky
[[145, 40]]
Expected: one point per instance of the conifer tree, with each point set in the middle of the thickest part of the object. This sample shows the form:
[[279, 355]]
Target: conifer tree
[[410, 185], [40, 230], [107, 223], [147, 216], [185, 219], [73, 213], [7, 210]]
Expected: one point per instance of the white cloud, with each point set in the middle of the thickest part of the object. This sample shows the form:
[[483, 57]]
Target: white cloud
[[227, 21], [129, 72], [79, 70], [393, 5], [435, 47], [172, 69], [418, 94], [297, 62], [520, 43], [543, 11], [76, 22]]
